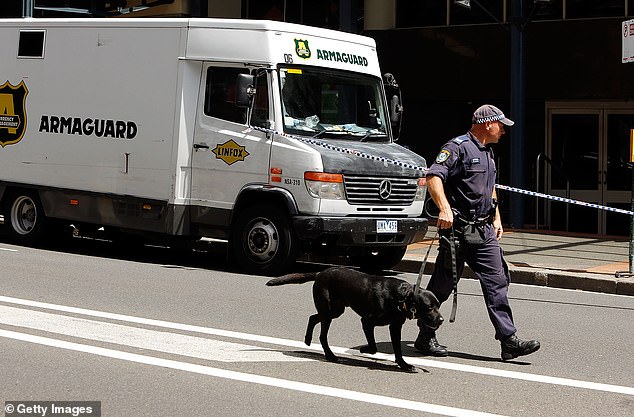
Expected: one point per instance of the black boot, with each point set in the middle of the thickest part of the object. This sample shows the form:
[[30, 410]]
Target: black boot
[[512, 347], [427, 344]]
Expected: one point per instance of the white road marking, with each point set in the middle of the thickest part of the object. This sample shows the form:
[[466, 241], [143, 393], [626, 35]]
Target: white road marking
[[618, 389], [160, 341], [245, 377], [8, 250]]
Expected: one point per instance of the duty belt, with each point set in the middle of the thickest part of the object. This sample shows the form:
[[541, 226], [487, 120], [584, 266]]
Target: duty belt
[[478, 221]]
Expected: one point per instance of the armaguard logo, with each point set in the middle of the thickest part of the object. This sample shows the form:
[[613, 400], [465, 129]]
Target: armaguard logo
[[230, 152], [12, 113], [301, 48], [346, 58]]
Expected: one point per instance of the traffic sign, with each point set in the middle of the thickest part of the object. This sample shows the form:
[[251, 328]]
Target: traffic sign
[[628, 41]]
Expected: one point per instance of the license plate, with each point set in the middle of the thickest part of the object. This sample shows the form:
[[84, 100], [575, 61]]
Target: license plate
[[387, 226]]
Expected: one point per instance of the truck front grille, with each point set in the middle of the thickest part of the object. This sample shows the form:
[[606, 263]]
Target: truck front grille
[[380, 190]]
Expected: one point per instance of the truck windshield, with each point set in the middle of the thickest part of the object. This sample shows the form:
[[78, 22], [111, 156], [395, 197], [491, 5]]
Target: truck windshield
[[332, 104]]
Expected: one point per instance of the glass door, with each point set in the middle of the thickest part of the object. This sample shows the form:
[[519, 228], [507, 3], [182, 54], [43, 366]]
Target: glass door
[[574, 172], [589, 151], [618, 171]]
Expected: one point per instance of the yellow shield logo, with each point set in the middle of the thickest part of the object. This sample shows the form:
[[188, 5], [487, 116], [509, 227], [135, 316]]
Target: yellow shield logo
[[12, 113], [301, 48]]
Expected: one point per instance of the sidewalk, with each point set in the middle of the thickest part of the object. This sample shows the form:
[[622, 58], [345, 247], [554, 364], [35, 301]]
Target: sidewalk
[[548, 259]]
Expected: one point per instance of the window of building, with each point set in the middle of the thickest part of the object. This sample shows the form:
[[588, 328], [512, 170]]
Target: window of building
[[264, 9], [554, 10], [419, 13], [332, 14], [481, 11], [293, 11], [101, 8], [320, 13], [11, 8], [577, 9], [220, 94]]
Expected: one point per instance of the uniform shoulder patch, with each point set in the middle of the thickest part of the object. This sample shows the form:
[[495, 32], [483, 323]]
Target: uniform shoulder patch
[[442, 156], [460, 139]]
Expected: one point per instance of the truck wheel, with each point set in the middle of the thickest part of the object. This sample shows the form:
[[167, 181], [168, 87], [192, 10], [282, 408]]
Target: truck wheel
[[377, 260], [262, 241], [24, 217]]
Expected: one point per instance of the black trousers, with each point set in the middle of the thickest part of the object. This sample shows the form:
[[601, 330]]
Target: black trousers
[[488, 264]]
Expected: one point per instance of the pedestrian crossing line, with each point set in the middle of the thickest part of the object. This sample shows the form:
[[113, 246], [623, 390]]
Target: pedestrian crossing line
[[417, 361], [246, 377], [155, 340]]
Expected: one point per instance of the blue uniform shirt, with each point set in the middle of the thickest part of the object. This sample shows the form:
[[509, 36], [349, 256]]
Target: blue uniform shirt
[[468, 172]]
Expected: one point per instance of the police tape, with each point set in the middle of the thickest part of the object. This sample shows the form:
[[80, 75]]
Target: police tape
[[384, 160], [350, 151], [363, 154], [563, 199]]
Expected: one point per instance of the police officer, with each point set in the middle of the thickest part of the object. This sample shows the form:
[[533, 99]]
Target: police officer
[[462, 184]]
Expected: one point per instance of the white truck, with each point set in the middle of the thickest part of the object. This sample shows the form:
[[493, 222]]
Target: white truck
[[275, 137]]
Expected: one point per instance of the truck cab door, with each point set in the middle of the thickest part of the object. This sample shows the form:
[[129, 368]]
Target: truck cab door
[[227, 154]]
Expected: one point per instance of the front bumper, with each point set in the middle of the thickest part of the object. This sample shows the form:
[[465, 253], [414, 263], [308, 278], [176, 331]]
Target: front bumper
[[359, 231]]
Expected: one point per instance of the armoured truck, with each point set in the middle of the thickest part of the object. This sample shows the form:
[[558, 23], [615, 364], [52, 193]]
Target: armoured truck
[[273, 137]]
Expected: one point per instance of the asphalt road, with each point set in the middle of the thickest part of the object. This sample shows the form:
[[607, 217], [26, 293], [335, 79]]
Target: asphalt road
[[159, 333]]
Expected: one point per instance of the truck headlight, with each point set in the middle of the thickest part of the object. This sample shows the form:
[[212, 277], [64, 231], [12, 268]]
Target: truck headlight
[[324, 185], [421, 189]]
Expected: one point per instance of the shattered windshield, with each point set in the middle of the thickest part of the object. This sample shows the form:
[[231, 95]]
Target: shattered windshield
[[332, 104]]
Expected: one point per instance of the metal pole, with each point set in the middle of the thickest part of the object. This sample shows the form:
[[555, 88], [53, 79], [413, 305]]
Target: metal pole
[[630, 272], [632, 226], [518, 110], [346, 17], [27, 8], [539, 156], [632, 202]]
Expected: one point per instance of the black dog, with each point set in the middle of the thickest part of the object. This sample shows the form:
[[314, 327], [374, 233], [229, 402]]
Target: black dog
[[378, 300]]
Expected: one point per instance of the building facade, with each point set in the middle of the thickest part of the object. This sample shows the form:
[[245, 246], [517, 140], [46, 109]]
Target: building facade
[[553, 65]]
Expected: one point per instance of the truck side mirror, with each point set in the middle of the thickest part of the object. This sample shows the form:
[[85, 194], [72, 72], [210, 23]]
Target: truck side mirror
[[245, 90], [393, 93], [396, 112], [396, 109]]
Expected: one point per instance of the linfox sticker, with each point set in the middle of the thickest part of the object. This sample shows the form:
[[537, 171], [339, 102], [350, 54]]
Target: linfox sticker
[[230, 152], [12, 112]]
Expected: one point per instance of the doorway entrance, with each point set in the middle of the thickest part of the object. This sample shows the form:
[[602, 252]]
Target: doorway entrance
[[588, 147]]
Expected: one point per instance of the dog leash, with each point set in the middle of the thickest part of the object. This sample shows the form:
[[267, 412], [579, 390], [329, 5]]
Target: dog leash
[[454, 266], [451, 242], [422, 267], [454, 272]]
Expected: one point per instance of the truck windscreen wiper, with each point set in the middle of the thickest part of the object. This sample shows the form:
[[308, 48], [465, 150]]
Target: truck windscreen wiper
[[318, 134], [369, 135]]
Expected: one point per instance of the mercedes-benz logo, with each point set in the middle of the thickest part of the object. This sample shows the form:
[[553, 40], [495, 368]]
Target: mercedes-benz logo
[[385, 189]]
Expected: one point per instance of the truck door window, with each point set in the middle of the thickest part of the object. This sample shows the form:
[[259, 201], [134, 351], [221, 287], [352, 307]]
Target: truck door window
[[260, 116], [220, 94], [333, 104]]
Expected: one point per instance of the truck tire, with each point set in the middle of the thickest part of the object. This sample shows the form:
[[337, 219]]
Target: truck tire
[[377, 260], [262, 240], [24, 217]]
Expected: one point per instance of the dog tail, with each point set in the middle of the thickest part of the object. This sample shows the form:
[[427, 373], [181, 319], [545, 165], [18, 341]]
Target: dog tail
[[299, 278]]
